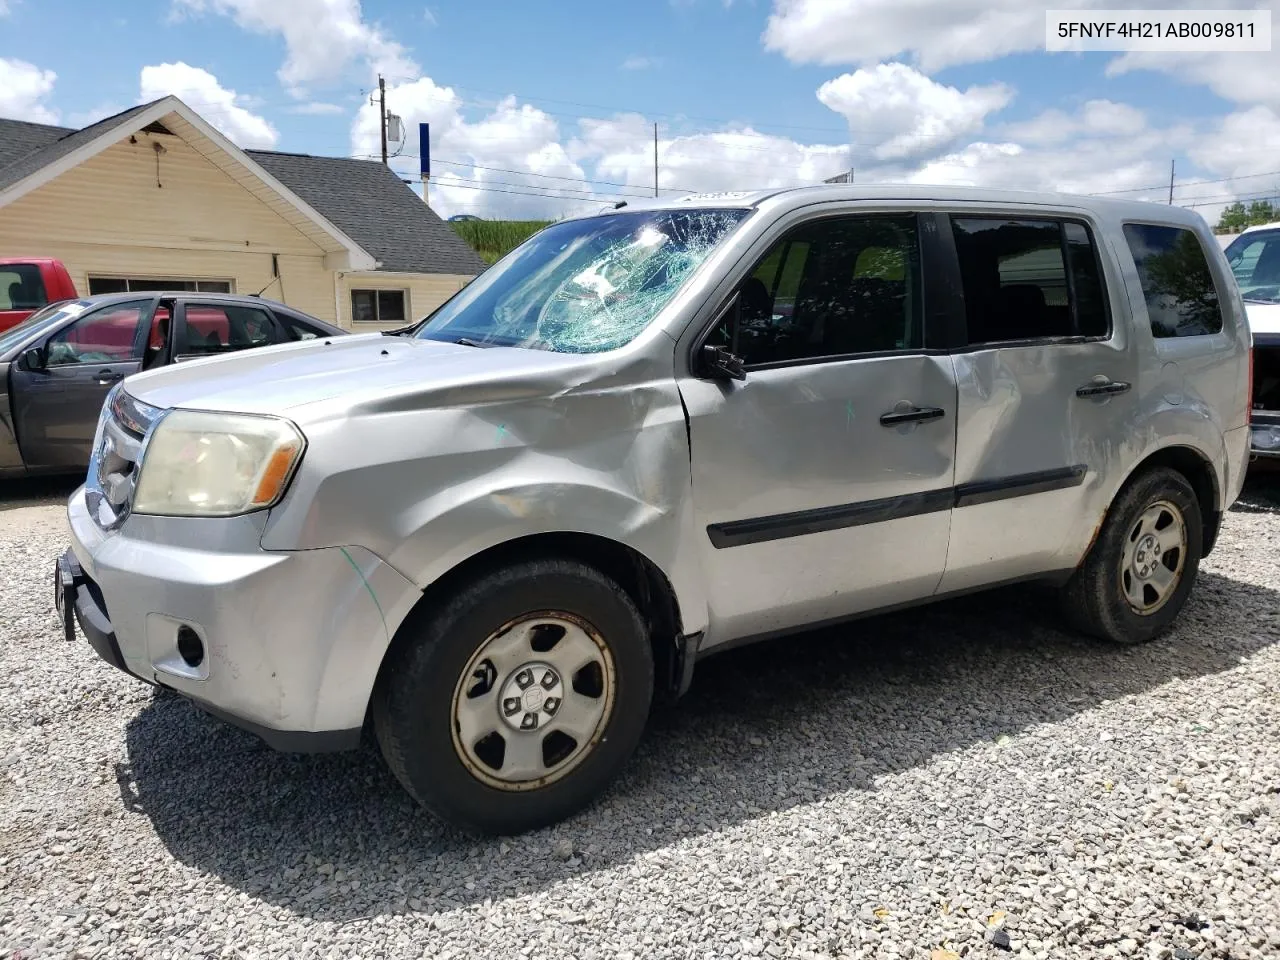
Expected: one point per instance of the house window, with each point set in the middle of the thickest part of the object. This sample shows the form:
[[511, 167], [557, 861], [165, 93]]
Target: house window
[[378, 306], [135, 284]]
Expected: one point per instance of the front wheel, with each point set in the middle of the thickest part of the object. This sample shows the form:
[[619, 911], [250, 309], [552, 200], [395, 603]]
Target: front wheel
[[517, 701], [1136, 578]]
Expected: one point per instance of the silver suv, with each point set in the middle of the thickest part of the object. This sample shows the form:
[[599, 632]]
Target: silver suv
[[646, 435]]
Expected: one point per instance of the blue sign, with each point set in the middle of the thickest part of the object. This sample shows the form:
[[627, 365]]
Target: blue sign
[[424, 148]]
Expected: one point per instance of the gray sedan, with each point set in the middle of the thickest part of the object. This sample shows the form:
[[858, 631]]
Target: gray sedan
[[57, 366]]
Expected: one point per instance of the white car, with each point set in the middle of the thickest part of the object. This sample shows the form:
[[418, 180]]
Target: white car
[[1254, 257]]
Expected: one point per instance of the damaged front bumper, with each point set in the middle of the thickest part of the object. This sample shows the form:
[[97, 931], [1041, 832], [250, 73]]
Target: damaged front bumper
[[286, 644]]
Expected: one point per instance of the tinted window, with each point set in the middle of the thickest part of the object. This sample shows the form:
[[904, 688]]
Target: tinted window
[[1255, 261], [295, 329], [222, 328], [1029, 279], [21, 287], [832, 288], [1181, 298], [102, 336]]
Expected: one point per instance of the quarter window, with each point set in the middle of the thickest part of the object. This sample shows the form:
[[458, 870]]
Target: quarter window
[[108, 335], [1182, 300], [1029, 280], [831, 288], [377, 306]]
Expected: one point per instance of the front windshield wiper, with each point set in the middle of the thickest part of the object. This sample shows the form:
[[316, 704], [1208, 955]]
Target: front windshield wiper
[[468, 342]]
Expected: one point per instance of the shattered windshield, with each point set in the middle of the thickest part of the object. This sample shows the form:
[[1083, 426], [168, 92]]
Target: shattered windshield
[[583, 286]]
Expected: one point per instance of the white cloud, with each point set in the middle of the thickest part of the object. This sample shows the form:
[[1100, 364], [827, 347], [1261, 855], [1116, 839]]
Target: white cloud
[[904, 113], [512, 151], [640, 63], [201, 91], [24, 90], [1238, 77], [1243, 143], [317, 108], [934, 33], [322, 38]]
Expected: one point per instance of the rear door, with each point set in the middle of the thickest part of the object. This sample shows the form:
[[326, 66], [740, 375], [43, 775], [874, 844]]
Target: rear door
[[56, 409], [822, 481], [210, 328], [1047, 393]]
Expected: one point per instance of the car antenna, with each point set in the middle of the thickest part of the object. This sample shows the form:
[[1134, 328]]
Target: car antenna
[[620, 204]]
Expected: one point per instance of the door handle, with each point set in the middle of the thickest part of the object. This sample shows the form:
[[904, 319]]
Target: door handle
[[896, 418], [1103, 387], [107, 376]]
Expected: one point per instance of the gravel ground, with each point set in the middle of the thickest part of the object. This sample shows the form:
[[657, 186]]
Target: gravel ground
[[886, 797]]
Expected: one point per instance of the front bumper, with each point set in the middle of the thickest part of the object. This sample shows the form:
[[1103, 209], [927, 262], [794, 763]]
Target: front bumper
[[291, 641]]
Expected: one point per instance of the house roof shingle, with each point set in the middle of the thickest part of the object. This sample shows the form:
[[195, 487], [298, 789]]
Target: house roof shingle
[[363, 198], [54, 149], [371, 205]]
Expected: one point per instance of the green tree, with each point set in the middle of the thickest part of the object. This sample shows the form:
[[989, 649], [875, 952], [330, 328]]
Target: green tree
[[1182, 276], [1260, 212], [1234, 219]]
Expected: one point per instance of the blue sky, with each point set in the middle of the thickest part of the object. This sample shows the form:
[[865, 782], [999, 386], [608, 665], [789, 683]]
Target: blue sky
[[535, 108]]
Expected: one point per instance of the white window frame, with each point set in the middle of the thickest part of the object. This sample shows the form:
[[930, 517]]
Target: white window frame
[[229, 281]]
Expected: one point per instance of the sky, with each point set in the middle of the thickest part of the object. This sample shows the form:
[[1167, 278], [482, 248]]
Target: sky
[[543, 110]]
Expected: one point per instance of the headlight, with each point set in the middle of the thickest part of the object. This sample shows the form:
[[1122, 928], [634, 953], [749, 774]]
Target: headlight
[[199, 464]]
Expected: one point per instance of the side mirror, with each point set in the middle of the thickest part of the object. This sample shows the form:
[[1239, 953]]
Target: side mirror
[[720, 363], [35, 359]]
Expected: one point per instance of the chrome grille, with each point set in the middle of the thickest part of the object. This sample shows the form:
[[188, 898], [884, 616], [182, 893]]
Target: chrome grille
[[113, 468]]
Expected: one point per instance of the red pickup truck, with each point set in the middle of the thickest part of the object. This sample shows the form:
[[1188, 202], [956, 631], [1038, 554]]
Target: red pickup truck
[[27, 284]]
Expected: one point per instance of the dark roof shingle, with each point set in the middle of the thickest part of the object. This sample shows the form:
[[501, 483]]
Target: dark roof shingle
[[54, 149], [371, 205], [19, 138]]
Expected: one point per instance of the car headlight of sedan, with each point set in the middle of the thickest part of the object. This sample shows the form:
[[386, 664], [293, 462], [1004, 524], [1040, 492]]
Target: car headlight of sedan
[[201, 464]]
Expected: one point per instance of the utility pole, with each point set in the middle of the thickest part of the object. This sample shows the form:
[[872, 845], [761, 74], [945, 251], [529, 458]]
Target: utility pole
[[1172, 166], [382, 115], [655, 159]]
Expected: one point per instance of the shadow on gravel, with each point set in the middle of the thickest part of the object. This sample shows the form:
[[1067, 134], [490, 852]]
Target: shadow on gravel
[[764, 728], [37, 491]]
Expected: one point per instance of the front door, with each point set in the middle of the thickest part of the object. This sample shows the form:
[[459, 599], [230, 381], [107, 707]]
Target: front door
[[822, 482], [1047, 396], [56, 408]]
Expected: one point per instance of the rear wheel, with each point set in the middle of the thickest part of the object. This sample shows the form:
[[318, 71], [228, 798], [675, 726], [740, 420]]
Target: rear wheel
[[1137, 576], [516, 702]]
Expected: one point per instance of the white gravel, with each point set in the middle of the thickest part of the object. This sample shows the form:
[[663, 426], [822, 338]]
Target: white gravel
[[884, 797]]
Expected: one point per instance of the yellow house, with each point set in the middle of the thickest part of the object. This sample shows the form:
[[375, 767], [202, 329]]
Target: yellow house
[[156, 198]]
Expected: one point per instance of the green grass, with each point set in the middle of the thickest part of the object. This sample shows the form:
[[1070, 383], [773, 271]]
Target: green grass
[[493, 239]]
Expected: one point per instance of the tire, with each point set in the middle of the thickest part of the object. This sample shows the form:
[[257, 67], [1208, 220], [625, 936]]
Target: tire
[[1097, 598], [486, 638]]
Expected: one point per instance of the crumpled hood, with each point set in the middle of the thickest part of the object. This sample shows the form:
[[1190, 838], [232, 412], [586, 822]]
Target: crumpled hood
[[1263, 317], [355, 369]]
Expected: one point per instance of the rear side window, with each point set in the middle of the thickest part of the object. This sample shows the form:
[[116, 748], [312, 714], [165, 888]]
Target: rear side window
[[21, 287], [1181, 298], [1029, 279], [218, 328]]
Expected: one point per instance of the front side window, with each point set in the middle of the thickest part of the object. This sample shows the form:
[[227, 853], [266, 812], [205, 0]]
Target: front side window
[[1255, 261], [584, 286], [1029, 280], [378, 306], [108, 335], [21, 287], [831, 288], [221, 328], [1181, 298]]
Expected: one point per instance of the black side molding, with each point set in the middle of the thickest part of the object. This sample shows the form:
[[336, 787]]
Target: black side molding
[[779, 526], [1019, 485], [738, 533]]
